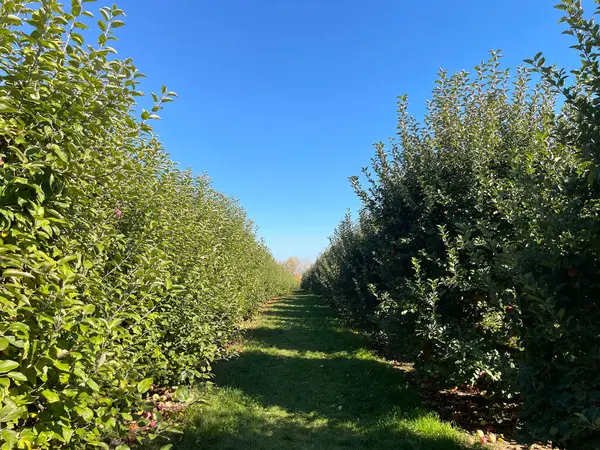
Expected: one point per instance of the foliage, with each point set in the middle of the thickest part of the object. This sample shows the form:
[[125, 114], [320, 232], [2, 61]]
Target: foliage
[[118, 270], [477, 245]]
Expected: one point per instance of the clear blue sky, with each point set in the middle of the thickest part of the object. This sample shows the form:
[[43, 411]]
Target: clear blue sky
[[281, 100]]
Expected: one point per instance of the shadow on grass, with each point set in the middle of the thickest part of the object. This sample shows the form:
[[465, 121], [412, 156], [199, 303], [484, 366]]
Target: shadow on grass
[[334, 388], [251, 430], [293, 338], [303, 382]]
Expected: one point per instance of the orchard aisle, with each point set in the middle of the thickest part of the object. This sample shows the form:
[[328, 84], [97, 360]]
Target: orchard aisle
[[305, 381]]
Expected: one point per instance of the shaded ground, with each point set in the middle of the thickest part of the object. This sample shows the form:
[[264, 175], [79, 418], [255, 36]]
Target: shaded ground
[[304, 381]]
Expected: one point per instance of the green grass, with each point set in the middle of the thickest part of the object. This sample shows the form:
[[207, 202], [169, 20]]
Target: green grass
[[305, 381]]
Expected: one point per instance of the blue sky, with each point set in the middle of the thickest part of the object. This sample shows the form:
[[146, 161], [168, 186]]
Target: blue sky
[[280, 101]]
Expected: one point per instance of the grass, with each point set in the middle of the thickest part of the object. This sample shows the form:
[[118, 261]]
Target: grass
[[304, 381]]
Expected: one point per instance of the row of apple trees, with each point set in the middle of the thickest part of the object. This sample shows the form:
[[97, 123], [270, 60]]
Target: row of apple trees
[[477, 249], [117, 269]]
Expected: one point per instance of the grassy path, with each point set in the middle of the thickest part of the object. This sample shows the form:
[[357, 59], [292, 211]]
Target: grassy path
[[304, 381]]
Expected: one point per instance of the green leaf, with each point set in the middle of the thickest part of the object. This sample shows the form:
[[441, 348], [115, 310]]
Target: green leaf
[[65, 367], [16, 273], [182, 394], [122, 447], [105, 13], [19, 327], [67, 433], [44, 437], [16, 376], [51, 396], [61, 153], [144, 385], [12, 20], [26, 439], [77, 38], [4, 108], [8, 365], [86, 413], [10, 438], [3, 343], [75, 7], [167, 447], [10, 413], [92, 384]]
